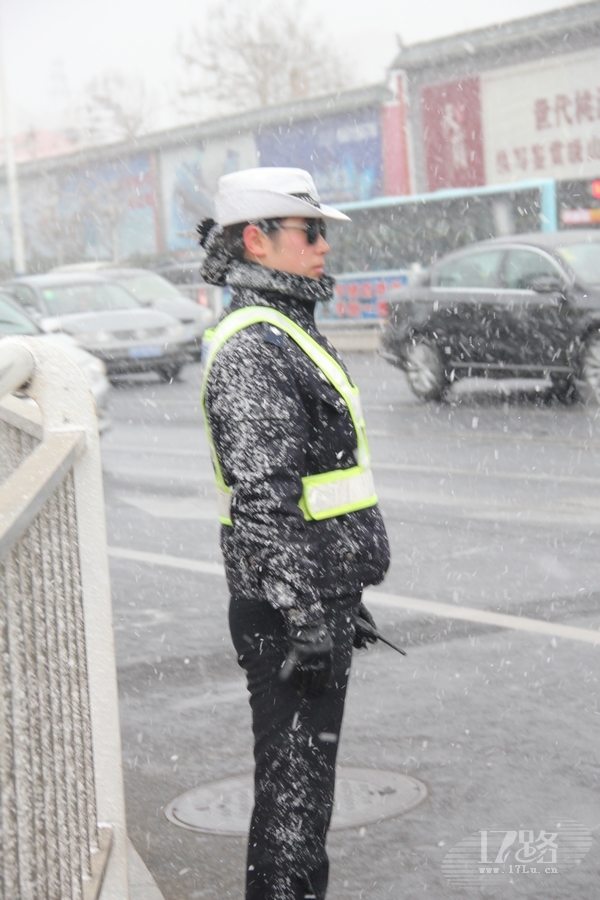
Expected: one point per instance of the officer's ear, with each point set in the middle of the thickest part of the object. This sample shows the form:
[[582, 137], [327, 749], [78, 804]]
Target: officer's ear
[[256, 242]]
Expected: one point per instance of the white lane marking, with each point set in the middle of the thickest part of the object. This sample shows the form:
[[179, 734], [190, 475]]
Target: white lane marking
[[169, 401], [583, 511], [392, 601], [486, 436], [582, 519], [483, 616], [163, 559], [155, 617], [228, 693], [477, 473], [183, 508], [470, 551], [202, 453], [163, 473], [152, 449]]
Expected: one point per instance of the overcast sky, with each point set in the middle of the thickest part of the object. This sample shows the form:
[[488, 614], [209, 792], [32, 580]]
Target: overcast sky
[[50, 45]]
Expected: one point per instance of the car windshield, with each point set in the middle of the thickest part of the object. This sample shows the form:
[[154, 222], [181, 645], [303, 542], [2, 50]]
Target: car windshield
[[12, 321], [65, 300], [147, 286], [584, 260]]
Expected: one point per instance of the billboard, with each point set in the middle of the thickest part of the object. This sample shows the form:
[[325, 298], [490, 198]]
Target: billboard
[[105, 210], [542, 119], [115, 205], [452, 138], [395, 119], [343, 153], [189, 178], [361, 295]]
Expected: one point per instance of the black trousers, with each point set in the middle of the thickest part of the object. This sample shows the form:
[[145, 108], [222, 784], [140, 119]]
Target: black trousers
[[295, 748]]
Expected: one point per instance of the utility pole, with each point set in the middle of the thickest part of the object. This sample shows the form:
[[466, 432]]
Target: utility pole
[[11, 177]]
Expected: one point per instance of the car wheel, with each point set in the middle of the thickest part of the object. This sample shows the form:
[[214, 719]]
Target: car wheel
[[169, 373], [590, 368], [425, 370]]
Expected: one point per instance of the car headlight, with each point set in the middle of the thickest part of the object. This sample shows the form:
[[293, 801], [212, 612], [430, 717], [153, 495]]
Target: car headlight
[[176, 333], [93, 337]]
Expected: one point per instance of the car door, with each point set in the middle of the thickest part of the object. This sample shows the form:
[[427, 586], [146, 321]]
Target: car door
[[464, 310], [541, 317]]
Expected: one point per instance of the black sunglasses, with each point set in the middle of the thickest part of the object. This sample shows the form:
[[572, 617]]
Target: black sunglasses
[[313, 229]]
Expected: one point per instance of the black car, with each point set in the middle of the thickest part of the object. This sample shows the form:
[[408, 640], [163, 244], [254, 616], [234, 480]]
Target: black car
[[521, 306]]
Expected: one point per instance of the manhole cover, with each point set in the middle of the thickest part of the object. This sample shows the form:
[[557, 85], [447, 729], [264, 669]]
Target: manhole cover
[[362, 796]]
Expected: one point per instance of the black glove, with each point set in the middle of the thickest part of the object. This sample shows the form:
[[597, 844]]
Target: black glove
[[362, 637], [309, 658]]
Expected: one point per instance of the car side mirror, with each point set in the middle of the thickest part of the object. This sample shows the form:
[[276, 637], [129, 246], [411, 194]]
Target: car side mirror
[[547, 284]]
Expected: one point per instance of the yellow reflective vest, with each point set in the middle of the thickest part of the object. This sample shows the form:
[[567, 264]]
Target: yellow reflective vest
[[324, 495]]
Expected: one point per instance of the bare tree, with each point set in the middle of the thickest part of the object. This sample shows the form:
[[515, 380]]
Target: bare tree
[[118, 107], [106, 195], [53, 223], [253, 56]]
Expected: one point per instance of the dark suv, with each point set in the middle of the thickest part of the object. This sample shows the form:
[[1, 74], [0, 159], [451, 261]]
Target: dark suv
[[520, 306]]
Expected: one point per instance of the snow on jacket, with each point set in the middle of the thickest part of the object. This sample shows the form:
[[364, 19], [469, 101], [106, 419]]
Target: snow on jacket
[[274, 418]]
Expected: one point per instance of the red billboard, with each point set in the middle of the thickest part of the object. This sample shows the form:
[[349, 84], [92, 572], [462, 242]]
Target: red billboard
[[452, 134], [394, 126]]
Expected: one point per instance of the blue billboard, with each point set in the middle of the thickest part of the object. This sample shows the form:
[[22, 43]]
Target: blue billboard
[[343, 153], [189, 177], [114, 206]]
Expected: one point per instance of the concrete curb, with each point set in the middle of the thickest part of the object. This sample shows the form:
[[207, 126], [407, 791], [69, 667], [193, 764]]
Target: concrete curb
[[142, 885], [356, 336]]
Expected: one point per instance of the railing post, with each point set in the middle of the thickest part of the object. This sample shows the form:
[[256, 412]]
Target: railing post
[[61, 391]]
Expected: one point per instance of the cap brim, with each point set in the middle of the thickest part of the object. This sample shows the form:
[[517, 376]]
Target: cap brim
[[330, 212], [248, 206]]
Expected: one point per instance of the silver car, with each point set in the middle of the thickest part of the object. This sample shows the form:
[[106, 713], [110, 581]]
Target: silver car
[[106, 320], [151, 289]]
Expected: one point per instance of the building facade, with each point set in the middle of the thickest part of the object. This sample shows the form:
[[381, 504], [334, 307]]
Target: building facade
[[143, 198], [500, 105]]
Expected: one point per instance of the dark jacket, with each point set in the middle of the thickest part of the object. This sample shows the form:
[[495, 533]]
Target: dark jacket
[[274, 418]]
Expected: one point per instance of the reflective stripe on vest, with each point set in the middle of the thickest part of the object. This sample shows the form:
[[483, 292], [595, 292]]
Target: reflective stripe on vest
[[324, 495]]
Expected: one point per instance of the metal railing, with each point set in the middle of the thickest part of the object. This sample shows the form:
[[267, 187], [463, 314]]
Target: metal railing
[[62, 823]]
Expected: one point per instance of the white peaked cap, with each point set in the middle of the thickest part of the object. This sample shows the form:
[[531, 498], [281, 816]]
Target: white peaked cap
[[269, 193]]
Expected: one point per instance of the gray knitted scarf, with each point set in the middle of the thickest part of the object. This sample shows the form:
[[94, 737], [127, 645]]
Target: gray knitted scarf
[[221, 268]]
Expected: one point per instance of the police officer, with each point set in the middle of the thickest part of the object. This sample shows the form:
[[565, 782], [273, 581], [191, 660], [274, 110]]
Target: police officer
[[301, 531]]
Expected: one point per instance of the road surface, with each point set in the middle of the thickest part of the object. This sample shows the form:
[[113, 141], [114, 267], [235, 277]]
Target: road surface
[[493, 509]]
